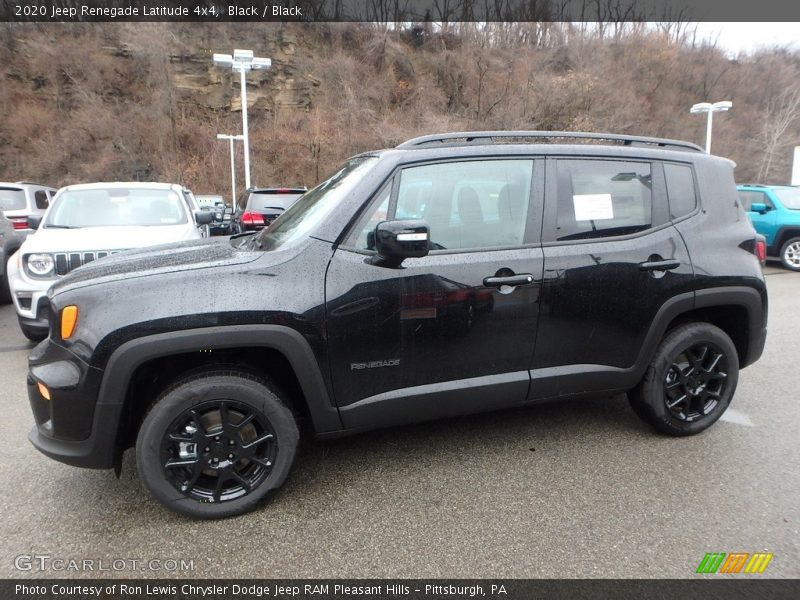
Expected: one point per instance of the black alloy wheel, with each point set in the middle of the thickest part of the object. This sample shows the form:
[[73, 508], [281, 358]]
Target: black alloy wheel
[[695, 382], [690, 381], [218, 451], [215, 444]]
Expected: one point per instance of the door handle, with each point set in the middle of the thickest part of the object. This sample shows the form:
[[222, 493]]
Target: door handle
[[660, 265], [511, 280]]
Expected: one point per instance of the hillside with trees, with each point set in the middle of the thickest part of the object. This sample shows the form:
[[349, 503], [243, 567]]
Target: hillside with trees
[[90, 102]]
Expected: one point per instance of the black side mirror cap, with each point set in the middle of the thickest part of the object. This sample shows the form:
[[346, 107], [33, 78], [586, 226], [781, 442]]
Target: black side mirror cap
[[397, 240], [203, 217], [34, 221]]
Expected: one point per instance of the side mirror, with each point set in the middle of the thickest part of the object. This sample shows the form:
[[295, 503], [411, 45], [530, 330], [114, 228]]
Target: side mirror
[[398, 240], [203, 217], [759, 207], [34, 221]]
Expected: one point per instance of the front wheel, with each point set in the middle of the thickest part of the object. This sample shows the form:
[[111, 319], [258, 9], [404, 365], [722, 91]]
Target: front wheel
[[215, 444], [5, 291], [790, 254], [34, 334], [690, 382]]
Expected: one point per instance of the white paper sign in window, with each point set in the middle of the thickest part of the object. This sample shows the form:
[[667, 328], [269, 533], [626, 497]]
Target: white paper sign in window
[[593, 207]]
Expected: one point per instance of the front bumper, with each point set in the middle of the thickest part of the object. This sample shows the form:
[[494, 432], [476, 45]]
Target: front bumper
[[73, 427], [30, 299]]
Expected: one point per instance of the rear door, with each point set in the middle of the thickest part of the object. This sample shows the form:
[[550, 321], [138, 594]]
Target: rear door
[[612, 258], [440, 335]]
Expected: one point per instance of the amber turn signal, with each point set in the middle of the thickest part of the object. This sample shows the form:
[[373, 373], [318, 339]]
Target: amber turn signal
[[43, 390], [69, 318]]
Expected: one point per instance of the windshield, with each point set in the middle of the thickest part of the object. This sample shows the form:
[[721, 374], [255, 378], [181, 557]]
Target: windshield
[[11, 199], [789, 197], [116, 207], [314, 206]]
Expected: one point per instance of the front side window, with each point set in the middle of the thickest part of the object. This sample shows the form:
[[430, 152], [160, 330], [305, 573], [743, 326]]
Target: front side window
[[110, 207], [748, 198], [470, 204], [598, 198]]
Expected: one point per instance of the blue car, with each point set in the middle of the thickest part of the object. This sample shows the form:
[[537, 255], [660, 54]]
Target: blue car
[[774, 211]]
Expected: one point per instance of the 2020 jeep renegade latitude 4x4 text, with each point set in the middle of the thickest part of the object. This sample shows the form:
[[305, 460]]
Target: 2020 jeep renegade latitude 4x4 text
[[453, 274]]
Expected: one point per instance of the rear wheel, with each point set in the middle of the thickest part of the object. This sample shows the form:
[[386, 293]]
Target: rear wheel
[[790, 254], [690, 382], [215, 445]]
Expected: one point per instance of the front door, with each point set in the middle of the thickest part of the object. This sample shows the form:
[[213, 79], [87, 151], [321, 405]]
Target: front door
[[452, 332]]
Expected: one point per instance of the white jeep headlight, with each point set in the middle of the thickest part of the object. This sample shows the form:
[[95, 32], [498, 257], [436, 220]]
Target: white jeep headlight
[[40, 264]]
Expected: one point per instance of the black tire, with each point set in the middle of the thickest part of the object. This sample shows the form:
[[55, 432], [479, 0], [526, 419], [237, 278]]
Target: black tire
[[241, 394], [790, 254], [34, 334], [5, 291], [685, 389]]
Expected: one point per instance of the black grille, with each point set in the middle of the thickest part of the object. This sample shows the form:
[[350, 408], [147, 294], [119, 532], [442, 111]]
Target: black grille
[[66, 262]]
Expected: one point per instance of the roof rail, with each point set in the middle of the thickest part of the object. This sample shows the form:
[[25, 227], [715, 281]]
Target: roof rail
[[481, 138], [767, 185]]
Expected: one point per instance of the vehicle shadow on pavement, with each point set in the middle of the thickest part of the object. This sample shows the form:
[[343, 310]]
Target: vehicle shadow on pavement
[[443, 449]]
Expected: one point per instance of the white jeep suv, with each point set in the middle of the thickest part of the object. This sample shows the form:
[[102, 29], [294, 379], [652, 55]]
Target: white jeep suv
[[87, 222]]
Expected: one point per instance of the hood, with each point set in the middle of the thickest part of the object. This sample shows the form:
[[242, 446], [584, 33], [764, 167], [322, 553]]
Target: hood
[[181, 256], [93, 239]]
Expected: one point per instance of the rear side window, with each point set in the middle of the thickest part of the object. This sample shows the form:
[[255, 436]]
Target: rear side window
[[42, 200], [598, 198], [11, 199], [680, 189]]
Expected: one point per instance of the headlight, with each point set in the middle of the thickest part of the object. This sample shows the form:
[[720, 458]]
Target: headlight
[[40, 264]]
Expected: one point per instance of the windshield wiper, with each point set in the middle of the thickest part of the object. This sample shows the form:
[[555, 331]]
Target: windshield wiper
[[61, 227]]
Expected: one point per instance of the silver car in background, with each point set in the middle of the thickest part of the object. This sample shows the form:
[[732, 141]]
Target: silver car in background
[[89, 222], [23, 199]]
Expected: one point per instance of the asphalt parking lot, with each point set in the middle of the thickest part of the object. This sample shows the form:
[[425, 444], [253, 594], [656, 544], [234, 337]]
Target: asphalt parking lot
[[576, 489]]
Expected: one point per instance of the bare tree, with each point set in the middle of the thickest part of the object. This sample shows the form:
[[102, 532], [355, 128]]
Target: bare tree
[[781, 112]]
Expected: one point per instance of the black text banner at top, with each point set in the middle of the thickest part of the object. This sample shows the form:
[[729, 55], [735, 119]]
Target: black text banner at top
[[400, 11]]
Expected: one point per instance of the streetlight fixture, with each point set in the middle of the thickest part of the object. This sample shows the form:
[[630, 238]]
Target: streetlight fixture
[[232, 139], [243, 61], [707, 107]]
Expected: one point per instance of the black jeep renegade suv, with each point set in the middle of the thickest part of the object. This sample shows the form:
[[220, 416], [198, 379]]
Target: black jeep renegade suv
[[453, 274]]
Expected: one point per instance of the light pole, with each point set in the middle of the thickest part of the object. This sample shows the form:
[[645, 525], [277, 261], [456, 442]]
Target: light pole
[[232, 139], [243, 61], [707, 107]]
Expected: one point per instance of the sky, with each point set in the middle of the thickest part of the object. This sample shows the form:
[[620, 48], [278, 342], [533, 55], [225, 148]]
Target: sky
[[747, 37]]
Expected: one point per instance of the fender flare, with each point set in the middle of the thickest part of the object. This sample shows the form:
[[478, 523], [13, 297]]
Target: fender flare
[[784, 233], [129, 356]]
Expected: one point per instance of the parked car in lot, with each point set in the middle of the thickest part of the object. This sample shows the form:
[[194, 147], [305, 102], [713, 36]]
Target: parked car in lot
[[91, 221], [10, 242], [530, 272], [258, 207], [23, 199], [775, 213], [221, 225]]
